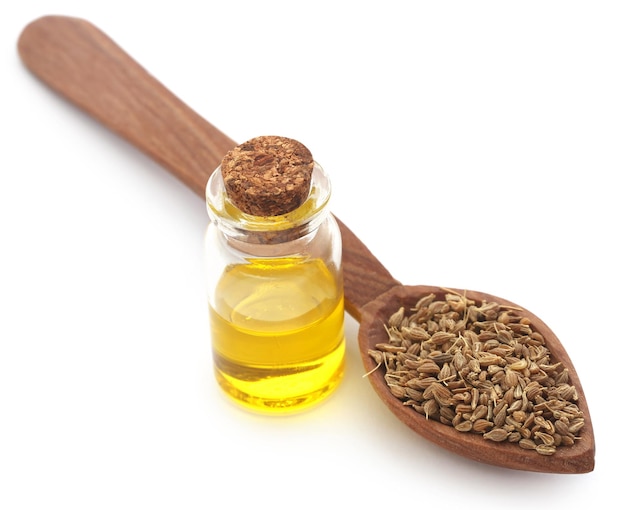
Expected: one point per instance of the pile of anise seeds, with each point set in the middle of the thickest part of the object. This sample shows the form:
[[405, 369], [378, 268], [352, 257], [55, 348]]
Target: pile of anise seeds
[[480, 368]]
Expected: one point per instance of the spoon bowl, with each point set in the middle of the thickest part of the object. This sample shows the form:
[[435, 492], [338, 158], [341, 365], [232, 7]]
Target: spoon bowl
[[84, 65], [577, 458]]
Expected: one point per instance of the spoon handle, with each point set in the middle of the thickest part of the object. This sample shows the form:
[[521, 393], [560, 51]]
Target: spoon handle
[[80, 62], [85, 66]]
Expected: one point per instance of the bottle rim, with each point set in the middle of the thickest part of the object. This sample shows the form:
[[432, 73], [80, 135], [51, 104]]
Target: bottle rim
[[230, 218]]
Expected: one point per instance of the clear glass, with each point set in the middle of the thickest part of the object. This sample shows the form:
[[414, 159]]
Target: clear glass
[[275, 300]]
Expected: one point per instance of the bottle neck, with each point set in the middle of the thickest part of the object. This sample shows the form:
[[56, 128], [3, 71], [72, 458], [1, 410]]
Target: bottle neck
[[244, 228]]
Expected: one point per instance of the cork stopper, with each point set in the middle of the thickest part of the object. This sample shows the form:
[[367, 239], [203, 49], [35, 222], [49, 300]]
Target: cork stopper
[[268, 175]]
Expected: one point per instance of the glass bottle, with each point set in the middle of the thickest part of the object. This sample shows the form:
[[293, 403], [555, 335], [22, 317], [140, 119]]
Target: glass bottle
[[275, 290]]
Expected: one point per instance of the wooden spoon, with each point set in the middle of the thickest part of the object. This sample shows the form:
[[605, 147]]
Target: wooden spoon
[[84, 65]]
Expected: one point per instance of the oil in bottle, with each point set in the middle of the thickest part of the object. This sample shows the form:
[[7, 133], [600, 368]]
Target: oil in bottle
[[277, 327]]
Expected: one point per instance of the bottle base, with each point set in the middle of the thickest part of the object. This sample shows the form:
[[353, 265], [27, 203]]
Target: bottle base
[[283, 402]]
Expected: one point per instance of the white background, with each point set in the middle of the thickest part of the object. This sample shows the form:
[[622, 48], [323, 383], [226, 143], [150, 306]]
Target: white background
[[476, 145]]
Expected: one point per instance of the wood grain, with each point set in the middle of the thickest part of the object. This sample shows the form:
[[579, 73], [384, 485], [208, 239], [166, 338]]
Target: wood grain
[[84, 65]]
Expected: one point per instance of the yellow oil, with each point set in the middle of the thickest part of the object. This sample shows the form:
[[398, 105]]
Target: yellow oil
[[278, 334]]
